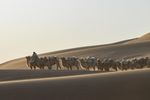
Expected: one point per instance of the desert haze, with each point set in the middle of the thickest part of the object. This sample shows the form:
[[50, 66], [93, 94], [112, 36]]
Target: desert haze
[[18, 82]]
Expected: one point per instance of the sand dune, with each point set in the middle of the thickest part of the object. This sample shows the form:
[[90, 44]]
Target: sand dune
[[8, 75], [23, 84], [124, 49], [143, 38], [131, 85]]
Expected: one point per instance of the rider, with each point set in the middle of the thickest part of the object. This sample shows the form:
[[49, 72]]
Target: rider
[[34, 57]]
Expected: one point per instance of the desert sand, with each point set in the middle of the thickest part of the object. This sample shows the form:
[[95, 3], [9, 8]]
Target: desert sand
[[17, 82], [7, 75], [131, 85]]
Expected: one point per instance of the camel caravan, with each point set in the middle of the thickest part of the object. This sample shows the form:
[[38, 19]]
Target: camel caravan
[[88, 63]]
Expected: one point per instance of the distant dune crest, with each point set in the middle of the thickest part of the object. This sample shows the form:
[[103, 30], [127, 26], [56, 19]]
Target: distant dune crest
[[143, 38]]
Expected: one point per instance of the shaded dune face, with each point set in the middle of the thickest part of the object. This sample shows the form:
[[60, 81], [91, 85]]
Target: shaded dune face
[[132, 85], [138, 47], [9, 75]]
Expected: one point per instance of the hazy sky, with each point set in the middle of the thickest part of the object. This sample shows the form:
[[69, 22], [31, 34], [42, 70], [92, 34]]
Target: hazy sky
[[49, 25]]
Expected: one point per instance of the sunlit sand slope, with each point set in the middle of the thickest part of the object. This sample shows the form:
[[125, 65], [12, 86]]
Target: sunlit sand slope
[[138, 47]]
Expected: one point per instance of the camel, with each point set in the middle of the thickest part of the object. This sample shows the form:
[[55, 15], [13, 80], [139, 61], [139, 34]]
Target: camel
[[34, 61], [83, 63], [100, 65], [28, 58], [51, 61], [74, 62], [66, 63], [87, 63], [91, 63], [32, 65]]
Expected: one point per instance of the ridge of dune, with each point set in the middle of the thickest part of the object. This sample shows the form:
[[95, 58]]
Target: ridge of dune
[[144, 38]]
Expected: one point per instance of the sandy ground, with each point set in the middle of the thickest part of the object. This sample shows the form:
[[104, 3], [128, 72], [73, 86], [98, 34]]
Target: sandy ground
[[6, 75], [131, 85]]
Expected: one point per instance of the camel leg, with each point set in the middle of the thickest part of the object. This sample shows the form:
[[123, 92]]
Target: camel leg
[[94, 68], [60, 67], [49, 67], [70, 68], [87, 69], [116, 69], [57, 67], [77, 67], [34, 67]]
